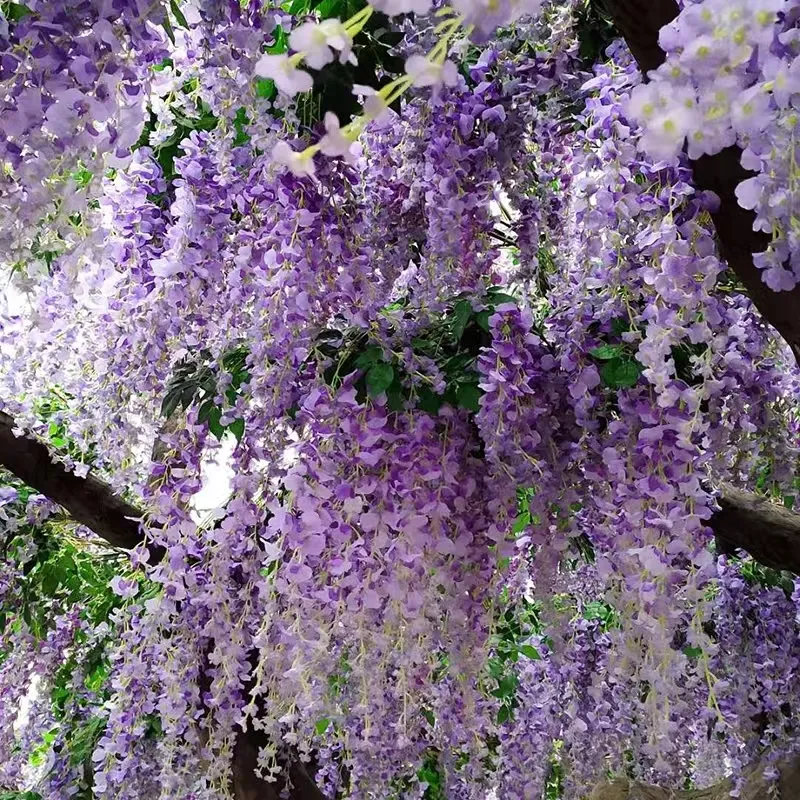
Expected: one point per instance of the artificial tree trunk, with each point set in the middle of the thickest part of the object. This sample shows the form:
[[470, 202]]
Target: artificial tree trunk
[[756, 787], [639, 22]]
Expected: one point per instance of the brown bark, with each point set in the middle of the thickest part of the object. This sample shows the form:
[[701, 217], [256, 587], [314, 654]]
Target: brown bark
[[88, 501], [639, 22], [756, 788], [248, 786], [767, 531]]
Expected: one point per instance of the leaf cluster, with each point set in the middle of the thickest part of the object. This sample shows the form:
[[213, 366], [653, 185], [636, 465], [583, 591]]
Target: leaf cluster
[[196, 381]]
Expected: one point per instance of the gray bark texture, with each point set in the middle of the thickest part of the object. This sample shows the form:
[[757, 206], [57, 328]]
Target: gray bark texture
[[756, 787]]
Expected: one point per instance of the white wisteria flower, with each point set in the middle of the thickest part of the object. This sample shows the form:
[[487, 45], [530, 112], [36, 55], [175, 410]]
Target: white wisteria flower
[[334, 142], [317, 41], [287, 77], [300, 163], [425, 72]]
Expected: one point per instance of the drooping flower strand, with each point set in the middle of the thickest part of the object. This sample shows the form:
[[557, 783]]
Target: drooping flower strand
[[732, 76]]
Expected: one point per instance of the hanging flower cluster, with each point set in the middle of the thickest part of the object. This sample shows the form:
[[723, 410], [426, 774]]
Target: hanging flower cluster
[[476, 375], [732, 76]]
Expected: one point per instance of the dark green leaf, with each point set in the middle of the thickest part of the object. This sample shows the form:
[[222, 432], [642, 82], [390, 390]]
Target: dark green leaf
[[371, 355], [178, 14], [379, 378], [469, 396], [620, 325], [462, 311], [213, 421], [620, 374], [429, 401], [607, 351], [499, 298], [13, 13], [237, 429], [530, 652]]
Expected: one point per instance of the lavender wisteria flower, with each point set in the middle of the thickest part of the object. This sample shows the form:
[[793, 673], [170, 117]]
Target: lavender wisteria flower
[[463, 373], [732, 76]]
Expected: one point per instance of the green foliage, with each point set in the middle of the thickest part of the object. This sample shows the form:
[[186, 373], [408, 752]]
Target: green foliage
[[57, 573], [453, 341], [13, 12], [60, 574], [759, 575], [196, 381], [606, 614], [515, 625], [52, 409], [430, 774], [595, 31], [554, 786]]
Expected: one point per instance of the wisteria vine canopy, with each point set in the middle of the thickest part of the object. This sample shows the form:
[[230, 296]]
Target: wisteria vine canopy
[[478, 321]]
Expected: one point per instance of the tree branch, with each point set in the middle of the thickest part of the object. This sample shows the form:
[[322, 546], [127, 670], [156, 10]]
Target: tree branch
[[767, 531], [756, 787], [639, 22], [93, 503], [89, 501]]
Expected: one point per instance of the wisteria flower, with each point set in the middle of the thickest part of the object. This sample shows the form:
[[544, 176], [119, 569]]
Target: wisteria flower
[[282, 70], [317, 41], [124, 587], [394, 8], [300, 163], [425, 72], [334, 142], [375, 107]]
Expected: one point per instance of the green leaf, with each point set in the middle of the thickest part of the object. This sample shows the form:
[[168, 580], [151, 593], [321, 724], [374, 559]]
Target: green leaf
[[213, 420], [620, 325], [500, 298], [606, 352], [240, 121], [322, 726], [167, 25], [462, 311], [14, 12], [503, 714], [237, 429], [329, 8], [281, 44], [178, 14], [621, 374], [530, 652], [265, 87], [693, 652], [371, 355], [482, 318], [379, 378], [429, 401], [84, 739], [469, 396]]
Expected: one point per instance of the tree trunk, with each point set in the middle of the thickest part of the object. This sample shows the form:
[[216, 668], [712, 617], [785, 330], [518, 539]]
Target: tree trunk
[[639, 22], [756, 787]]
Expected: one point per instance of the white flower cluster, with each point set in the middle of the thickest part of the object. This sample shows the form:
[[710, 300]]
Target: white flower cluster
[[719, 79], [316, 44]]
